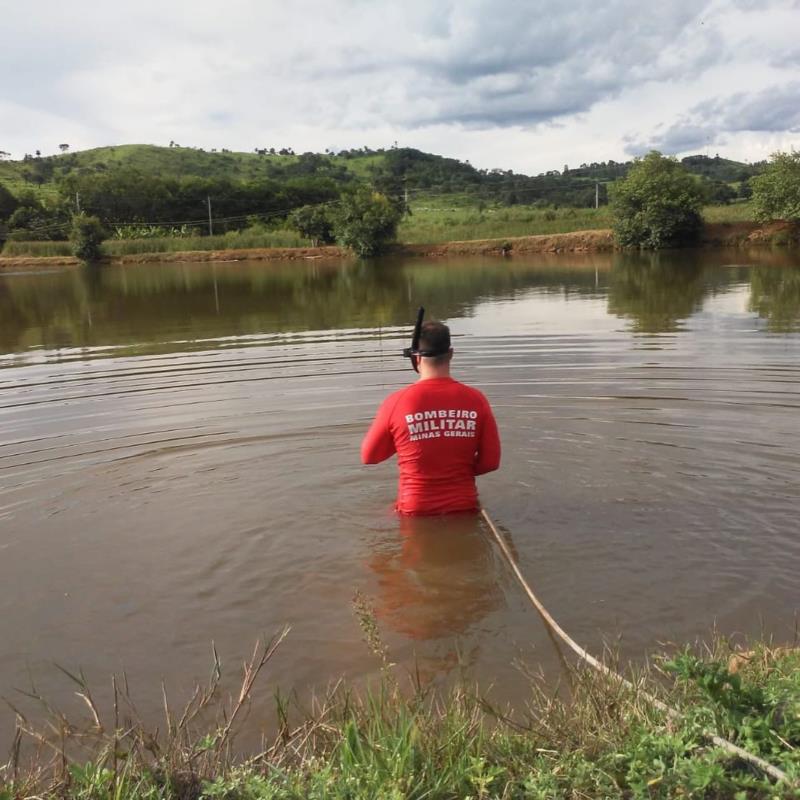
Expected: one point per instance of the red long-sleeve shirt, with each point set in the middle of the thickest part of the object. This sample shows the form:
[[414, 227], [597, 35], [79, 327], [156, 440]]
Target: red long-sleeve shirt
[[444, 434]]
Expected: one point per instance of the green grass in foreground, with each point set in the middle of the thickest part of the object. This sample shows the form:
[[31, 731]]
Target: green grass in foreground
[[596, 739]]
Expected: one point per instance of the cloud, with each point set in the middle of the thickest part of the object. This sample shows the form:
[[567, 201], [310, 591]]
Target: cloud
[[472, 61], [773, 109], [311, 72]]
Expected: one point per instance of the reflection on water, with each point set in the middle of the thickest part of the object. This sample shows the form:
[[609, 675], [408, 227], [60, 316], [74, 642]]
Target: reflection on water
[[179, 462], [775, 296], [654, 294], [437, 578], [143, 307]]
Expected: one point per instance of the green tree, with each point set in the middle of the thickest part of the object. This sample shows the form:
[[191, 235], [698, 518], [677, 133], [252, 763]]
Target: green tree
[[8, 203], [313, 222], [657, 205], [87, 236], [29, 223], [366, 221], [776, 192]]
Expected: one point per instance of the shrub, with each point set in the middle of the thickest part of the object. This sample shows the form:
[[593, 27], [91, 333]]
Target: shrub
[[87, 236], [657, 205], [8, 203], [314, 222], [776, 192], [366, 221]]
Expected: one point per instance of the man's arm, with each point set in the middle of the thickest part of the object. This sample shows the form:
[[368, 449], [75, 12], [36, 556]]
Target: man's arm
[[378, 444], [487, 458]]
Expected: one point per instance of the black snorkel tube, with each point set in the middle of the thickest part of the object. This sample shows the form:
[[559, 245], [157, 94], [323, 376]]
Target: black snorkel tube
[[413, 351]]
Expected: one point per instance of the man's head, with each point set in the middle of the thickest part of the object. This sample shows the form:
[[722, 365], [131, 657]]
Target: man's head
[[434, 343]]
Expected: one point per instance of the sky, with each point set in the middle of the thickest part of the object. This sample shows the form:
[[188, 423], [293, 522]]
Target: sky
[[528, 85]]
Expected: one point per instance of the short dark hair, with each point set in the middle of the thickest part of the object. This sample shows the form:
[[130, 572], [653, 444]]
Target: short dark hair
[[435, 339]]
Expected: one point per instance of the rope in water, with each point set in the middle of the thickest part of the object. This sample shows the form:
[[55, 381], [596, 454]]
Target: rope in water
[[672, 713]]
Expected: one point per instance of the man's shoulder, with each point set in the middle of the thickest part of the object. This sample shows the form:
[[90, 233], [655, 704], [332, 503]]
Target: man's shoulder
[[457, 392], [471, 391], [391, 400]]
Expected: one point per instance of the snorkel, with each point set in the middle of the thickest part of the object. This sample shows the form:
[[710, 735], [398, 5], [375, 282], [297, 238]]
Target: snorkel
[[413, 351]]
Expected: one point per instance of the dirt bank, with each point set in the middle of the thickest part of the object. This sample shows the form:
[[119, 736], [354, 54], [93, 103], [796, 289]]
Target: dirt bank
[[719, 234]]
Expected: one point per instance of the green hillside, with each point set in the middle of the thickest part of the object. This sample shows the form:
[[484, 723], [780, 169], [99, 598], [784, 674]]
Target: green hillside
[[175, 162], [421, 171], [173, 190]]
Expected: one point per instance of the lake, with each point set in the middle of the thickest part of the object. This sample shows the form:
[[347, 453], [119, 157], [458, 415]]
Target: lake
[[179, 466]]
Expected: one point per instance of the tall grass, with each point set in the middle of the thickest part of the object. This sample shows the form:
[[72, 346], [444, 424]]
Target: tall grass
[[37, 249], [736, 212], [124, 247], [591, 738], [429, 223], [233, 240], [432, 224]]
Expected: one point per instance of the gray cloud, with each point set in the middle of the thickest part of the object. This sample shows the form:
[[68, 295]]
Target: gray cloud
[[774, 109], [255, 70], [506, 63], [470, 61]]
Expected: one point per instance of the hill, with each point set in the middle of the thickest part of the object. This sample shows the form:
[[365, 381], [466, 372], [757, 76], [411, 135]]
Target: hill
[[418, 170], [172, 186]]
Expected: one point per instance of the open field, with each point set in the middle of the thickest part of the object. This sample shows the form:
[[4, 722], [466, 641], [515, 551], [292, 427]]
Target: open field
[[431, 224]]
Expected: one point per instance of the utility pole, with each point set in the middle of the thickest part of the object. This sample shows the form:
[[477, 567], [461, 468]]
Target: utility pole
[[210, 223], [78, 202], [597, 194]]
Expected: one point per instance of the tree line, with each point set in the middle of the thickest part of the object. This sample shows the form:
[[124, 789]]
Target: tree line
[[657, 201]]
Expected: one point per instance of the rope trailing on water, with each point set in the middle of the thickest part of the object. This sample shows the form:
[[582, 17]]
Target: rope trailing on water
[[672, 713]]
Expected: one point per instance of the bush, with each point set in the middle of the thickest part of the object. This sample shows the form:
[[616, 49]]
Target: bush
[[776, 192], [30, 223], [8, 203], [657, 205], [87, 236], [314, 222], [366, 221]]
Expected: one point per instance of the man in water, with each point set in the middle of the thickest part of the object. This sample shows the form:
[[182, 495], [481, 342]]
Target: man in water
[[444, 433]]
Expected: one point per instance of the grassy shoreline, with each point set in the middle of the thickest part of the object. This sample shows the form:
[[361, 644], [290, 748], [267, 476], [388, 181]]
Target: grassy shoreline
[[590, 737], [438, 230], [720, 234]]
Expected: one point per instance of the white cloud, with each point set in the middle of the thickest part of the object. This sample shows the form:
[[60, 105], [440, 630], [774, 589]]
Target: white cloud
[[523, 85]]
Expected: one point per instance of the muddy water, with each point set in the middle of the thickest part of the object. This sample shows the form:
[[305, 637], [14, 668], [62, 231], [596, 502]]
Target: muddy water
[[179, 464]]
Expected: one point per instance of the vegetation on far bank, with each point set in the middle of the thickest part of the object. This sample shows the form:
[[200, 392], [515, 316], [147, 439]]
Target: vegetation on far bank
[[144, 197], [429, 223], [588, 737]]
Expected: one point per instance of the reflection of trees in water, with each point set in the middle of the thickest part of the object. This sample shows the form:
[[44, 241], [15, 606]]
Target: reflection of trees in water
[[438, 579], [51, 310], [13, 320], [156, 303], [655, 290], [153, 304], [775, 297]]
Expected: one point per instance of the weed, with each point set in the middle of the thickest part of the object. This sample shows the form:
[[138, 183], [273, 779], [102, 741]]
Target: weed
[[600, 739]]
